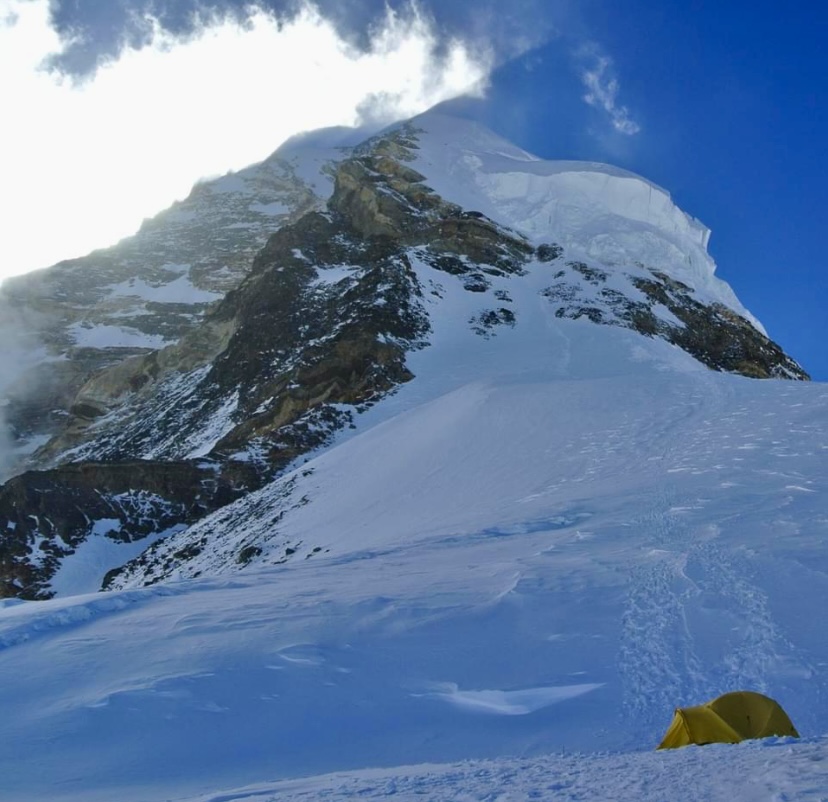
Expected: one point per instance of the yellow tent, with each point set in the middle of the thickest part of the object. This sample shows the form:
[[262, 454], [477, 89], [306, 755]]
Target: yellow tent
[[729, 719]]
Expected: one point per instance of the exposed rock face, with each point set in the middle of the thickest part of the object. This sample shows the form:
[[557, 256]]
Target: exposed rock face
[[221, 545], [47, 515], [85, 315], [656, 305], [317, 331], [313, 331], [325, 318]]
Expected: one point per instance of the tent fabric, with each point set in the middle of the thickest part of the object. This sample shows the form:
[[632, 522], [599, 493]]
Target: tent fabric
[[729, 719]]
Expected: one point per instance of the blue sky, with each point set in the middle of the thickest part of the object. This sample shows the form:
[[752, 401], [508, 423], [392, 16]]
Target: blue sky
[[722, 103]]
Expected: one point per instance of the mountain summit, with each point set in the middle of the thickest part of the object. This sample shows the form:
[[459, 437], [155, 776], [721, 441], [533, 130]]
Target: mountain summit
[[176, 372]]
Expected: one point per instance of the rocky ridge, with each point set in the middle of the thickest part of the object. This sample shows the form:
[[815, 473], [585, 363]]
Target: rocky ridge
[[653, 304], [86, 315]]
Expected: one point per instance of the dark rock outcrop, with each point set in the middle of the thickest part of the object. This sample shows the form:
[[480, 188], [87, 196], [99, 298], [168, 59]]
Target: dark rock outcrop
[[46, 515], [715, 335], [83, 316]]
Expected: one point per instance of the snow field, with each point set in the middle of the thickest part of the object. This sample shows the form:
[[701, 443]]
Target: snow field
[[489, 584]]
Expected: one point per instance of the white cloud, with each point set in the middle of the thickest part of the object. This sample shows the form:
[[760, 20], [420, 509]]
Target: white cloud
[[84, 163], [602, 90]]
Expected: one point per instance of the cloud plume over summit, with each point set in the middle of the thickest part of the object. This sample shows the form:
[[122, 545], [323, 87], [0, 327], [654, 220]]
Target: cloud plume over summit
[[91, 153]]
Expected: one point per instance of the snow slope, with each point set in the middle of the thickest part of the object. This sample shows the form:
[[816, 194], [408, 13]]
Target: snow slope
[[520, 566]]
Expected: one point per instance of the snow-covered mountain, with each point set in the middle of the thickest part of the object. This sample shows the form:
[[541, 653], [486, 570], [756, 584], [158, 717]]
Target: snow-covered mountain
[[435, 236], [471, 461]]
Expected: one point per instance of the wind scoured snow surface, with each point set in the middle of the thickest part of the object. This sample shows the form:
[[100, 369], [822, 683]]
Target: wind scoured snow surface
[[768, 771]]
